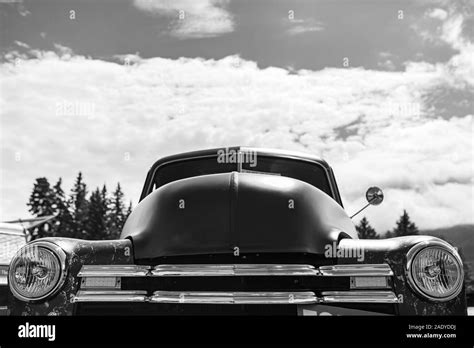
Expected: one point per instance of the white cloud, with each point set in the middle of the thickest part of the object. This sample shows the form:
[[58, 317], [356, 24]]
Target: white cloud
[[65, 113], [453, 20], [386, 61], [18, 5], [437, 13], [63, 50], [22, 44], [451, 31], [300, 26], [460, 68], [128, 59], [191, 18], [22, 10]]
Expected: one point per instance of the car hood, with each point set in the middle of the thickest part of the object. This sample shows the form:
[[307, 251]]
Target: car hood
[[218, 213]]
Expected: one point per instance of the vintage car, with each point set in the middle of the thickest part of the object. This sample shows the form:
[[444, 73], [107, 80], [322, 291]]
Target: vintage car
[[239, 231], [12, 238]]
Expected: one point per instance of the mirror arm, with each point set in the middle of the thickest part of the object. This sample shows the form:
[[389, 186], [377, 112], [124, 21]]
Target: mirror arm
[[364, 207]]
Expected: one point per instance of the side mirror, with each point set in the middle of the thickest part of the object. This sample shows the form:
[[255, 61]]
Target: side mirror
[[374, 196]]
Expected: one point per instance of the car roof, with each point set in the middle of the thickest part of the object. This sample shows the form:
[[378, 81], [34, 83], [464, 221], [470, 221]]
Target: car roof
[[258, 150]]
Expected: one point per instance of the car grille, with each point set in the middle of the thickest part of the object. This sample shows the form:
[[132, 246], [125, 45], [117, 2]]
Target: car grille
[[219, 289]]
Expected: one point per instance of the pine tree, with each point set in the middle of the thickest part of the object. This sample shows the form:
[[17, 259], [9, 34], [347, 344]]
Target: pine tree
[[79, 205], [103, 193], [107, 218], [63, 223], [99, 217], [365, 231], [96, 216], [116, 217], [129, 210], [42, 203], [404, 226]]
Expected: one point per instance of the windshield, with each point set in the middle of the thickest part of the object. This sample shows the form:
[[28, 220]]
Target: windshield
[[309, 172]]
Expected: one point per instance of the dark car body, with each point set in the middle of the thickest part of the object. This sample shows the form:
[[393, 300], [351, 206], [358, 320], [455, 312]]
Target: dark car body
[[232, 236], [12, 238]]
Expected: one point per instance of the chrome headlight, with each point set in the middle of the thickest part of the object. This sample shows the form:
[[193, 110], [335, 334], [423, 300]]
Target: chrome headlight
[[435, 270], [37, 271]]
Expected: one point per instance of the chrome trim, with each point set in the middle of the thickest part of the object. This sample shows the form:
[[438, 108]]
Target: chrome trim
[[117, 283], [244, 297], [380, 270], [193, 270], [372, 270], [427, 244], [3, 280], [239, 297], [359, 297], [226, 270], [353, 283], [113, 271], [110, 296], [60, 254]]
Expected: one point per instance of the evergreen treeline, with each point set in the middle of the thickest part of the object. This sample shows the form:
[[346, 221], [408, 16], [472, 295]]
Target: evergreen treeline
[[99, 215], [404, 227]]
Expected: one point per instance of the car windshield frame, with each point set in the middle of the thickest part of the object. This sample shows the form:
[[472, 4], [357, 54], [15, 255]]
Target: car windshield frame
[[151, 182]]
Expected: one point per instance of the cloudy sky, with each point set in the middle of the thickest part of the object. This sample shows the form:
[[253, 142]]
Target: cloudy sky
[[383, 90]]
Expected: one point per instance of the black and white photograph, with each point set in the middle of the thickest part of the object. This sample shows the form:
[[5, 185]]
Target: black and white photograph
[[201, 161]]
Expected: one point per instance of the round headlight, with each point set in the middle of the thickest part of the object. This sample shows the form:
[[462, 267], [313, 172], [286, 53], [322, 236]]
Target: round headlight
[[435, 271], [37, 271]]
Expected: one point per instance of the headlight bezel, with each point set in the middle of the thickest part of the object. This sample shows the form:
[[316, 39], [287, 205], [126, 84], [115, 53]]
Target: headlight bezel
[[411, 255], [61, 257]]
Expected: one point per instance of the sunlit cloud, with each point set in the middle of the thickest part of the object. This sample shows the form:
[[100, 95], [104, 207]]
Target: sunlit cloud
[[190, 18], [302, 26]]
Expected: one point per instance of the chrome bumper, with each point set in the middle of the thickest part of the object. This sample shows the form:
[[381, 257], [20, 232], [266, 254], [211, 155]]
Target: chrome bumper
[[244, 297]]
